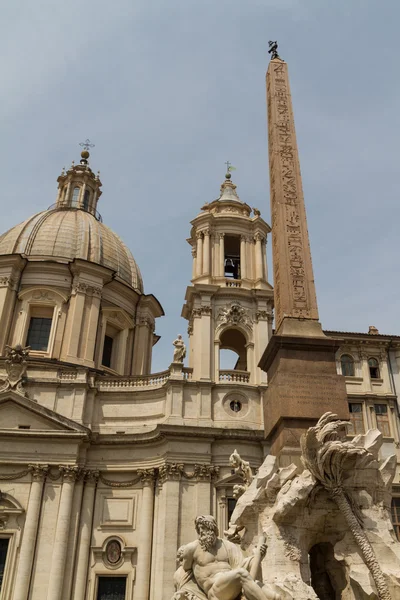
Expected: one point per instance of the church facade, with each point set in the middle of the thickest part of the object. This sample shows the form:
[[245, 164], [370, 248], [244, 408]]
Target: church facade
[[103, 464]]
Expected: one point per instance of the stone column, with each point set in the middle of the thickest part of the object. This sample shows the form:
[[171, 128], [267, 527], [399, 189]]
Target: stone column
[[167, 531], [85, 526], [142, 584], [194, 263], [215, 256], [216, 361], [73, 537], [28, 544], [60, 546], [258, 256], [243, 257], [206, 252], [199, 259], [221, 255], [93, 321], [73, 326], [264, 259]]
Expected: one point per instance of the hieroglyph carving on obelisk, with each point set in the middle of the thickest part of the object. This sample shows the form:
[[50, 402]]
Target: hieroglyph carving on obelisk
[[293, 274]]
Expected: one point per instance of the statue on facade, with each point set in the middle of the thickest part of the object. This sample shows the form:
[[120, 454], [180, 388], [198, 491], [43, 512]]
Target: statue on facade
[[180, 349], [16, 364], [215, 569]]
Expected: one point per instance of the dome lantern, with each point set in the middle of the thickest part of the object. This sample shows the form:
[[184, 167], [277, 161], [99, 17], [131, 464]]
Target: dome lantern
[[79, 187]]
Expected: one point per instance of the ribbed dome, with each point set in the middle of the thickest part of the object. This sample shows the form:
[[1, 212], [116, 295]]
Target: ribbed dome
[[72, 233]]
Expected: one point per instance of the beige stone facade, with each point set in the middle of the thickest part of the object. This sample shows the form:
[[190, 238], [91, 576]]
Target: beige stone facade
[[103, 464]]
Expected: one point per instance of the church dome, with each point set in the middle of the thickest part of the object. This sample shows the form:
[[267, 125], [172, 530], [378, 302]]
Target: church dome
[[73, 229], [70, 233]]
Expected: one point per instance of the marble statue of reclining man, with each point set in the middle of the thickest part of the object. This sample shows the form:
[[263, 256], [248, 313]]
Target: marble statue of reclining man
[[215, 569]]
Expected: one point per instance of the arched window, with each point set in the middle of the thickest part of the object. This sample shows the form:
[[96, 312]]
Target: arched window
[[373, 368], [347, 363], [75, 196], [86, 199]]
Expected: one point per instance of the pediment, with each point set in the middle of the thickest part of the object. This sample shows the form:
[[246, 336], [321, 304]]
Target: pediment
[[23, 415]]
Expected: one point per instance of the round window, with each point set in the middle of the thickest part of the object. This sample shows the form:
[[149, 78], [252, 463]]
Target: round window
[[235, 406], [113, 552]]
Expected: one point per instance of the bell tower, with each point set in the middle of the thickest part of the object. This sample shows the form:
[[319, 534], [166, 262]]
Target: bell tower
[[229, 302]]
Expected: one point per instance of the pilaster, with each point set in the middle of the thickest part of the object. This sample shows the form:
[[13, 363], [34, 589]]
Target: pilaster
[[60, 545], [28, 544]]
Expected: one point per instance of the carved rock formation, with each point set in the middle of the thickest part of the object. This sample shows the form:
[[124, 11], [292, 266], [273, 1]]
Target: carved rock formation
[[328, 529]]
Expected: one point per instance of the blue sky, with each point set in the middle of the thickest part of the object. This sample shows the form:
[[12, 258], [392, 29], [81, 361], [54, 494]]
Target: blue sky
[[170, 90]]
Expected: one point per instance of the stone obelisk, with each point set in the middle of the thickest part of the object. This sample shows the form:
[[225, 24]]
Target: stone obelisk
[[299, 359]]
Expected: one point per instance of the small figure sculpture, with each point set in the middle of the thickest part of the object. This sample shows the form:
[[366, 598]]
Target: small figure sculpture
[[257, 212], [273, 50], [180, 349], [16, 363], [215, 569], [242, 467]]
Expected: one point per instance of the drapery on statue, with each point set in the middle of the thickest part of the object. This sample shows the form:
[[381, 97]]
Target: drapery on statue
[[16, 363], [328, 457], [215, 569], [180, 349]]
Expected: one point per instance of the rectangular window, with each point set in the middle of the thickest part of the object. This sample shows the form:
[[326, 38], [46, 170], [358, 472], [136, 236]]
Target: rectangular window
[[111, 588], [3, 557], [382, 419], [107, 351], [39, 333], [356, 419]]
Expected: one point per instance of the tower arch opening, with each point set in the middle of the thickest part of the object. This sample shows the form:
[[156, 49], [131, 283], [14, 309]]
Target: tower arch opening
[[232, 348]]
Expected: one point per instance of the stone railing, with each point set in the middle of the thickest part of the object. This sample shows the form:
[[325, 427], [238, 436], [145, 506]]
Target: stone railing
[[154, 380], [187, 373], [233, 283], [234, 376], [135, 382]]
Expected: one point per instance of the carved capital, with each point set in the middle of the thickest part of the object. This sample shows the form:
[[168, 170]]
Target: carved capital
[[38, 472], [146, 321], [91, 476], [207, 472], [199, 235], [258, 237], [206, 232], [84, 288], [169, 471], [69, 473], [9, 282], [147, 476], [221, 236], [262, 315]]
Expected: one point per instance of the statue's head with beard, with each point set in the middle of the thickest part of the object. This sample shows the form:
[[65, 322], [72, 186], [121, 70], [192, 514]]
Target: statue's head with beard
[[207, 530]]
